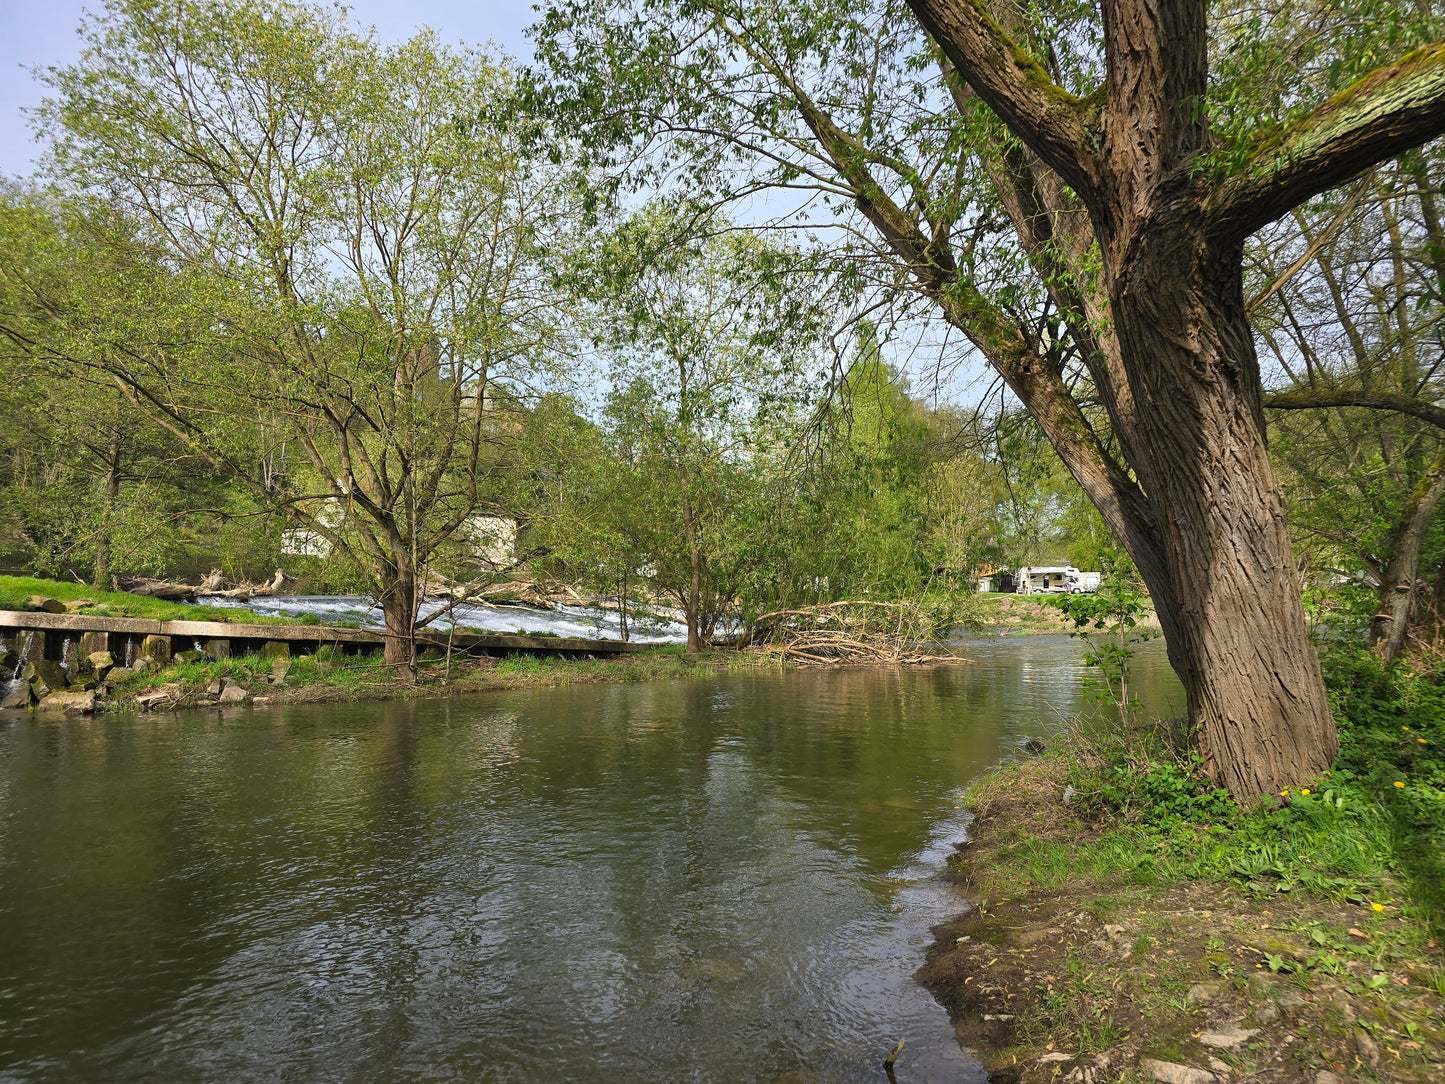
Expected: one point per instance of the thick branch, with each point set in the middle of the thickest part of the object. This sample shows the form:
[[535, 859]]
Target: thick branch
[[1369, 400], [1050, 120], [1388, 111]]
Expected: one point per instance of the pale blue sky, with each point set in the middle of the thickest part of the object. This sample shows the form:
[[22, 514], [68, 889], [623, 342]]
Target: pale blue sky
[[34, 33]]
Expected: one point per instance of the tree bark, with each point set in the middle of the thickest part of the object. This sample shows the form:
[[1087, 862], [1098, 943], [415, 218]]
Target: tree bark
[[1391, 623], [398, 607], [1255, 691]]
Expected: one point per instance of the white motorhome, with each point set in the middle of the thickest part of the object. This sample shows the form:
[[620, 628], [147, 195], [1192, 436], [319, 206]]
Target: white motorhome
[[1043, 580], [1055, 580]]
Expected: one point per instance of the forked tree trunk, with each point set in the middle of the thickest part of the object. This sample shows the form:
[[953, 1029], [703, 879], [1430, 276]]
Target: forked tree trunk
[[1136, 230], [398, 607]]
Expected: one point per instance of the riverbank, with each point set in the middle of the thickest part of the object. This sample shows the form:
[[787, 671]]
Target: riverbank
[[1128, 923], [322, 678], [1015, 615]]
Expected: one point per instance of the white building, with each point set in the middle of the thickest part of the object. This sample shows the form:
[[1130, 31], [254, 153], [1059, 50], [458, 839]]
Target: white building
[[494, 539]]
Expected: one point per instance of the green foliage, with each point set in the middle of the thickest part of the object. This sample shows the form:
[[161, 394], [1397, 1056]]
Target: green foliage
[[1108, 620], [1354, 835], [1392, 753]]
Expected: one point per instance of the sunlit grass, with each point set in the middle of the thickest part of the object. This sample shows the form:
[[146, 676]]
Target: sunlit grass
[[15, 590]]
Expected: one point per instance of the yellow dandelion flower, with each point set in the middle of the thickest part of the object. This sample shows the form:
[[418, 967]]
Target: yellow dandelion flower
[[1377, 907], [1404, 728], [1398, 783], [1284, 794], [1306, 790], [1422, 741]]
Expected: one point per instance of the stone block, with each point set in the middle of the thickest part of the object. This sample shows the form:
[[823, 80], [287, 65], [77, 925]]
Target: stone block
[[45, 605], [1168, 1072], [234, 694], [188, 656], [29, 644], [157, 648], [91, 642], [49, 672], [275, 649], [70, 702], [17, 698], [218, 649]]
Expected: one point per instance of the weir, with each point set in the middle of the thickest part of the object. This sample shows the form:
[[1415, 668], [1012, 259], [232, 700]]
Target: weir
[[63, 637]]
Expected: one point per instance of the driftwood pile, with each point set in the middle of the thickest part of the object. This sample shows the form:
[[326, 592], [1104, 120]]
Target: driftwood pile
[[214, 583], [860, 631]]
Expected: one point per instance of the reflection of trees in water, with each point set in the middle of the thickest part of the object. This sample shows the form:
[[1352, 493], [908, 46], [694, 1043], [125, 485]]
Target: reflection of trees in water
[[388, 856]]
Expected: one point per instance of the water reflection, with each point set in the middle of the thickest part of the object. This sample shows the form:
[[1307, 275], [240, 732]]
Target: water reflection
[[714, 880]]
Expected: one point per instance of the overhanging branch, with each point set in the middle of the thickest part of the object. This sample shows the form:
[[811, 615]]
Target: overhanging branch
[[1050, 120], [1390, 401], [1388, 111]]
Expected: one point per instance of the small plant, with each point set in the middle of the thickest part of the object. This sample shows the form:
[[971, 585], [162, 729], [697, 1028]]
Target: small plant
[[1108, 623]]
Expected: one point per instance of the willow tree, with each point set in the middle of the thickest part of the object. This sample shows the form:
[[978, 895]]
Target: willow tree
[[1071, 188], [360, 234]]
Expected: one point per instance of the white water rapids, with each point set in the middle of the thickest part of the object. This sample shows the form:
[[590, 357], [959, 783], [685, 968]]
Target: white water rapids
[[587, 622]]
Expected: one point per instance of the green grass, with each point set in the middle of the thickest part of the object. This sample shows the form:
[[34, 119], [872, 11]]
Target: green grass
[[322, 668], [14, 590], [660, 662], [1371, 832], [367, 675]]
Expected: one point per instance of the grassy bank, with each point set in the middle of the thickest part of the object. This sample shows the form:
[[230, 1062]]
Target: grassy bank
[[15, 592], [324, 677], [1132, 923], [1017, 614]]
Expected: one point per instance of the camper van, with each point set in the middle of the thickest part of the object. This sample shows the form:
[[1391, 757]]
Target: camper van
[[1056, 580], [1043, 580]]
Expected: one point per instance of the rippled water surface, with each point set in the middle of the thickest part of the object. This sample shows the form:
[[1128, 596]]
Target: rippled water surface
[[714, 880]]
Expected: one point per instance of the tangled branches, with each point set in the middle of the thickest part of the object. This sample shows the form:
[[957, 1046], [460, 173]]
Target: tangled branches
[[853, 631]]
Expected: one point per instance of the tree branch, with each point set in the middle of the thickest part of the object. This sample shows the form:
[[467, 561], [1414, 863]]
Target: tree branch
[[1051, 121], [1369, 400], [1375, 118]]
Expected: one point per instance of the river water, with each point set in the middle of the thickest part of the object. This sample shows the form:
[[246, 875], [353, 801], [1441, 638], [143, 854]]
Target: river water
[[712, 880]]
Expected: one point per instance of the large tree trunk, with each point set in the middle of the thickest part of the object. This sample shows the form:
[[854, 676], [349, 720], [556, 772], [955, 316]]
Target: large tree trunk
[[1137, 235], [1391, 622], [398, 607], [1241, 645]]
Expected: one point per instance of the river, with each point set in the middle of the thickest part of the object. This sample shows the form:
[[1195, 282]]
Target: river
[[715, 880]]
